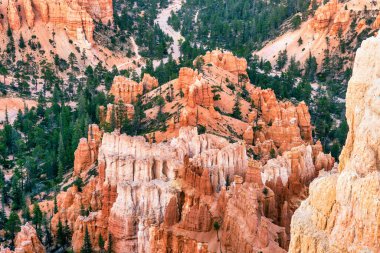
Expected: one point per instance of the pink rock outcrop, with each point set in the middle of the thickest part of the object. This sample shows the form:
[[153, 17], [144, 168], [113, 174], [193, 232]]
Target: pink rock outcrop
[[286, 124], [14, 20], [196, 90], [75, 17], [149, 82], [324, 15], [125, 90], [226, 61], [26, 241], [87, 151]]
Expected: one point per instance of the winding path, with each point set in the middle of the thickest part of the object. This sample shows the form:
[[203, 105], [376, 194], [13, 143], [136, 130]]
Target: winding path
[[162, 21]]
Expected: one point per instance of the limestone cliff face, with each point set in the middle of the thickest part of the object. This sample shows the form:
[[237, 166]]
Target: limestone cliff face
[[342, 213], [75, 17]]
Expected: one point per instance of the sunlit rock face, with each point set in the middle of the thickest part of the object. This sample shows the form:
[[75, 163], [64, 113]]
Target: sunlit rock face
[[75, 17], [342, 212], [26, 241]]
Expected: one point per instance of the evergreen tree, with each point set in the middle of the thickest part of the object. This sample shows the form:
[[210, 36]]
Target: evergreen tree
[[110, 244], [48, 235], [86, 248], [21, 42], [67, 233], [84, 57], [37, 215], [17, 192], [310, 67], [26, 213], [236, 112], [61, 158], [300, 41], [282, 59], [3, 218], [55, 205], [61, 238], [101, 243], [3, 72], [294, 67], [12, 226]]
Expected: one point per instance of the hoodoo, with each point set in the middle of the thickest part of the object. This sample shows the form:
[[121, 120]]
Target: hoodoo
[[342, 213]]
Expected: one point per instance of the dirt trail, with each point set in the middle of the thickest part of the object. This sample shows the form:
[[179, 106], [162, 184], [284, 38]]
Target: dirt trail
[[162, 21]]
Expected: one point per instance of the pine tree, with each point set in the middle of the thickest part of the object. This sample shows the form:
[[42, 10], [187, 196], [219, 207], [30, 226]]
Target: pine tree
[[26, 213], [86, 248], [61, 158], [101, 243], [3, 218], [21, 42], [282, 59], [55, 205], [310, 67], [67, 233], [12, 226], [16, 192], [37, 215], [236, 112], [61, 238], [84, 57], [48, 235], [110, 244]]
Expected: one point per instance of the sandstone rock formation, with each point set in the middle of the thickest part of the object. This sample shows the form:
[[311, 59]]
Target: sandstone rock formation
[[341, 21], [376, 23], [142, 189], [341, 213], [87, 151], [226, 61], [324, 15], [196, 90], [13, 16], [116, 112], [125, 90], [284, 123], [164, 191], [75, 17], [289, 176], [26, 241], [149, 82]]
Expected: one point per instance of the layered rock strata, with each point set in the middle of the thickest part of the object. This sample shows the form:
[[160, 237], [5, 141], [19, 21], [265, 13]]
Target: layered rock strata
[[342, 213], [226, 61], [75, 17], [125, 90]]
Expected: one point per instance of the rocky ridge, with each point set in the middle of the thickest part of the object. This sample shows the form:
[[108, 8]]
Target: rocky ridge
[[341, 213], [75, 17], [153, 195]]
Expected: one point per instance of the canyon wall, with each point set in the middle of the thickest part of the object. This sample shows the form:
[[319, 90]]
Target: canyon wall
[[169, 193], [75, 17], [342, 213]]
